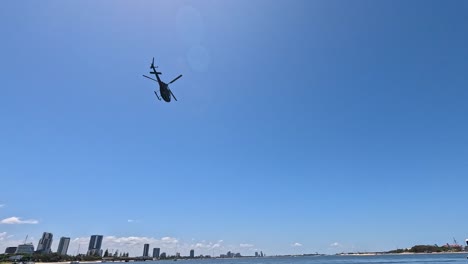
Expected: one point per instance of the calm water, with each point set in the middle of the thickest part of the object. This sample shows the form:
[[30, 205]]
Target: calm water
[[390, 259]]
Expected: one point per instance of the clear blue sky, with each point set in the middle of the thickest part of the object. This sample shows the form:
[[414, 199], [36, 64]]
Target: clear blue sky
[[337, 125]]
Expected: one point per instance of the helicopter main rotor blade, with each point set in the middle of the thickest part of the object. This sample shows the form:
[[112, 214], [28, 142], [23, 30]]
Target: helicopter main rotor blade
[[149, 78], [173, 94], [175, 79]]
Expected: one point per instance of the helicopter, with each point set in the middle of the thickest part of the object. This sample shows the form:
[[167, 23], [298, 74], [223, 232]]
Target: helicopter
[[164, 90]]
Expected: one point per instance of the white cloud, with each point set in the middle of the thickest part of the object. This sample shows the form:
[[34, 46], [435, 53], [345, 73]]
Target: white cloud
[[217, 245], [200, 245], [16, 220], [169, 240], [246, 245], [4, 236], [203, 245], [2, 205], [296, 244], [336, 244]]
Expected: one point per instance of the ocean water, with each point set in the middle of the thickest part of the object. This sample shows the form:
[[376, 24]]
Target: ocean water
[[380, 259]]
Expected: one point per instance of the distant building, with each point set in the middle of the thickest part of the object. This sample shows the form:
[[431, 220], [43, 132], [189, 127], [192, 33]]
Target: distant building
[[10, 250], [256, 254], [261, 254], [44, 243], [192, 253], [146, 250], [25, 249], [156, 252], [230, 254], [163, 255], [95, 244], [63, 246], [177, 255]]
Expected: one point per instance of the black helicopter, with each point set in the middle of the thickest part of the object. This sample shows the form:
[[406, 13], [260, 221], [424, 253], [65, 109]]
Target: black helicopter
[[163, 87]]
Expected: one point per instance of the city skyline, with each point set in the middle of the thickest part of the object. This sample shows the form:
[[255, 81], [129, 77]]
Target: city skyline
[[135, 245], [301, 126]]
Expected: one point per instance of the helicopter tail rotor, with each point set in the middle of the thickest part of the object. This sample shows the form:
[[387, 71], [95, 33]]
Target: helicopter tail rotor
[[152, 64]]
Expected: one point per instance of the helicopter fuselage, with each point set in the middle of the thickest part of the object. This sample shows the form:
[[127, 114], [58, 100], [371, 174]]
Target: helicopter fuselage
[[163, 87], [164, 91]]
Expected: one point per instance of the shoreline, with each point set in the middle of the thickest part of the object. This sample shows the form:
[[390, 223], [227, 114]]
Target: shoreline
[[364, 254], [403, 253], [68, 262]]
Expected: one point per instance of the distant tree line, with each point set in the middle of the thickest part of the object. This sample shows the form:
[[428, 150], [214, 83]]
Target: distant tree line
[[429, 249]]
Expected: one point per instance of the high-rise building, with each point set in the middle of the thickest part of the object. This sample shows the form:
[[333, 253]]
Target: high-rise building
[[44, 243], [63, 246], [156, 252], [146, 250], [192, 253], [256, 254], [95, 244], [25, 249], [163, 255]]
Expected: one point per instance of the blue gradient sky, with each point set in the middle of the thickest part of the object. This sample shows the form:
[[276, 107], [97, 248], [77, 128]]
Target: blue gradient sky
[[338, 125]]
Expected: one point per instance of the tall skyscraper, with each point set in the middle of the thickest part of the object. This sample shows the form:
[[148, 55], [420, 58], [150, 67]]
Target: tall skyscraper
[[95, 244], [156, 253], [146, 250], [44, 243], [192, 253], [63, 246]]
